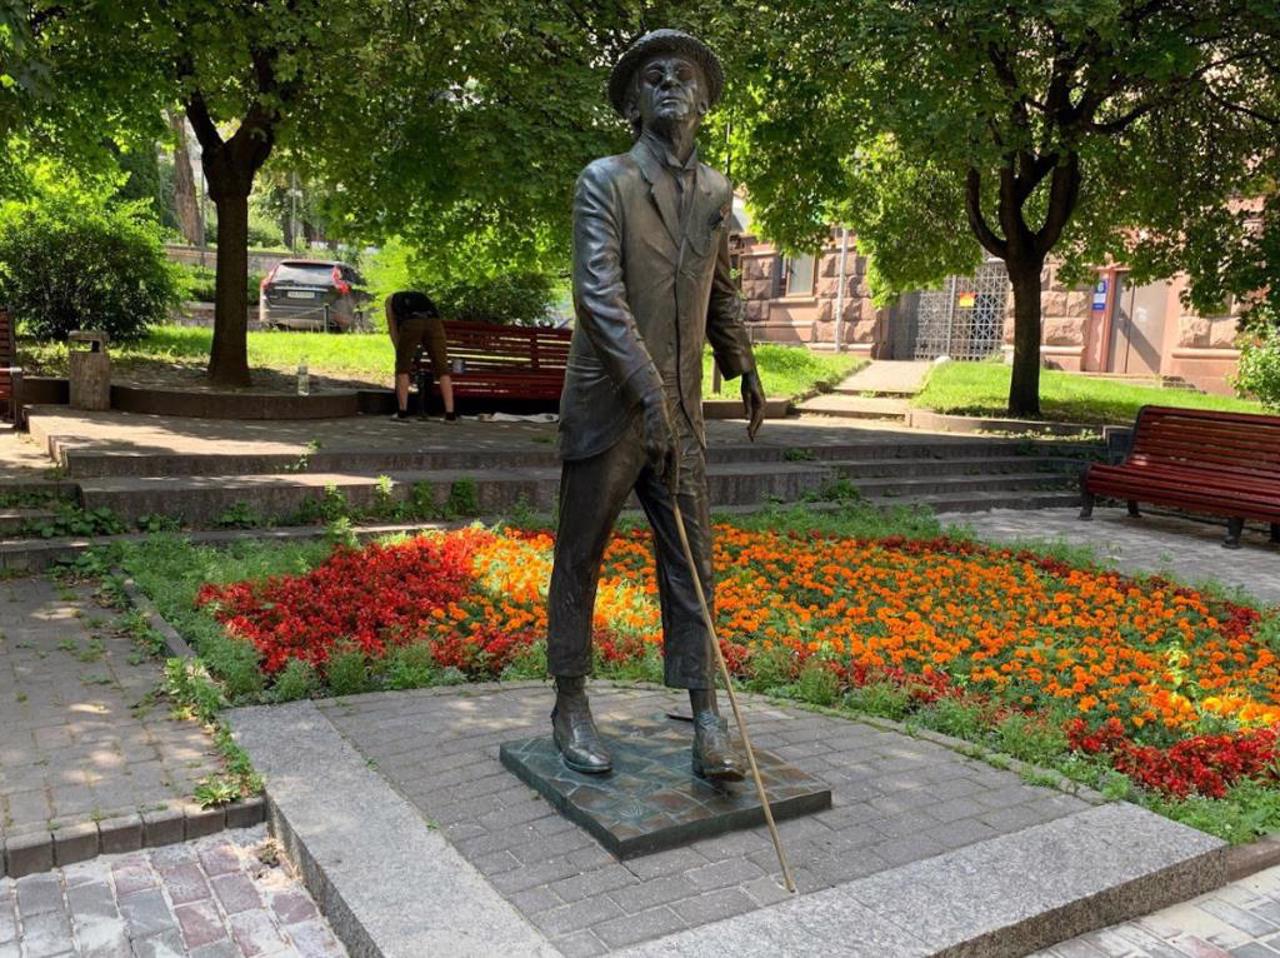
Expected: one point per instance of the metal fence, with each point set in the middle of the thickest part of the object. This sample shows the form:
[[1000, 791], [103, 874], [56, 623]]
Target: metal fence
[[964, 319]]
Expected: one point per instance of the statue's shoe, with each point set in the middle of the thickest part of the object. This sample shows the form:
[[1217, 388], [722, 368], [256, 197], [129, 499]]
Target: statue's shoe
[[575, 735], [714, 756]]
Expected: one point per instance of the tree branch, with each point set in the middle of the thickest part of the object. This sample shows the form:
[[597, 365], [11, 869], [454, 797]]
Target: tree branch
[[206, 130], [1064, 191], [992, 243]]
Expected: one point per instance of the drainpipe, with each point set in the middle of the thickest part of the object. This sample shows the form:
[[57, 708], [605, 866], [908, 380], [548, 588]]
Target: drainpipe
[[844, 254]]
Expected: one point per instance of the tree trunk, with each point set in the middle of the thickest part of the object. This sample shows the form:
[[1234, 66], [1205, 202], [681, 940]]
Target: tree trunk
[[1024, 385], [229, 359], [186, 202]]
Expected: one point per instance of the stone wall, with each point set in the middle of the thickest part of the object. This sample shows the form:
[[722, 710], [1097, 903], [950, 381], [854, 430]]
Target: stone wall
[[809, 318]]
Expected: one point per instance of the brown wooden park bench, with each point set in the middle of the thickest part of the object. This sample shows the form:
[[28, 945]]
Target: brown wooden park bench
[[502, 362], [1220, 463], [10, 374]]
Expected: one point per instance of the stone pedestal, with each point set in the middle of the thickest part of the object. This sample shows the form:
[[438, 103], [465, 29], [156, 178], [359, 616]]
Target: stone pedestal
[[651, 800]]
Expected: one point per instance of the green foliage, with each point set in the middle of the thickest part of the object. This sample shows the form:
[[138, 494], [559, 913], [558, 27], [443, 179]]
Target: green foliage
[[515, 298], [529, 663], [347, 673], [464, 498], [880, 698], [410, 666], [982, 389], [1258, 374], [239, 515], [771, 668], [71, 520], [789, 371], [297, 680], [199, 283], [192, 690], [70, 262], [817, 684]]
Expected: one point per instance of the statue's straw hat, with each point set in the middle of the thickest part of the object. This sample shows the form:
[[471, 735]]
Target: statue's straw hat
[[658, 42]]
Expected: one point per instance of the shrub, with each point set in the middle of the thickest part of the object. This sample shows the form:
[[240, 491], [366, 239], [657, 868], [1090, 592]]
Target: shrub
[[514, 298], [348, 672], [1259, 372], [67, 264], [199, 284], [298, 680], [411, 666]]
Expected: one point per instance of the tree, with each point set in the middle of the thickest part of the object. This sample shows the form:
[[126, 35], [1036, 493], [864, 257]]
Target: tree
[[186, 200], [1093, 129]]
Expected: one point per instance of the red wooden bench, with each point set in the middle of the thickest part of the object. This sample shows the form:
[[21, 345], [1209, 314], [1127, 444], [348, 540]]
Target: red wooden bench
[[10, 374], [503, 362], [1220, 463]]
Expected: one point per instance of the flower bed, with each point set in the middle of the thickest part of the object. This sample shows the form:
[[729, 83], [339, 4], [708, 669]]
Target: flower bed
[[1174, 688]]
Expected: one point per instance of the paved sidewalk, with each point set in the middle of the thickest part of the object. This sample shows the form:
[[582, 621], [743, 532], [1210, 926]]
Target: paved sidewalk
[[1185, 549], [83, 738], [222, 897], [1240, 920], [891, 376]]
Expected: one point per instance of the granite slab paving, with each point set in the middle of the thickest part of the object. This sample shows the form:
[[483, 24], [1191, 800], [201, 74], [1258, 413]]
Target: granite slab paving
[[1240, 920], [86, 745], [1002, 866], [220, 897], [1184, 549]]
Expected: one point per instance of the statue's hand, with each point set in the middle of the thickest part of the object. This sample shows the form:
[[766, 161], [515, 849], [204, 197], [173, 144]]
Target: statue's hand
[[659, 437], [753, 402]]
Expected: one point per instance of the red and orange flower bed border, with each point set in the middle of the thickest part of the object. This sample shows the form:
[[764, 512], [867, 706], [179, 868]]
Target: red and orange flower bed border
[[1134, 671]]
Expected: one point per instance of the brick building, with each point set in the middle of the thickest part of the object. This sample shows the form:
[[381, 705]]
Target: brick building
[[1112, 326]]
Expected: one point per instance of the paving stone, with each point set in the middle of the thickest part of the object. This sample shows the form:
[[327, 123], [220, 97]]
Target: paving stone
[[312, 939], [39, 893], [638, 927], [132, 875], [146, 913], [28, 853], [167, 944], [199, 822], [185, 883], [654, 892], [200, 923], [581, 944], [45, 934], [714, 906], [236, 893], [122, 833], [163, 826], [75, 843], [219, 858], [577, 915], [292, 906], [255, 933], [596, 882]]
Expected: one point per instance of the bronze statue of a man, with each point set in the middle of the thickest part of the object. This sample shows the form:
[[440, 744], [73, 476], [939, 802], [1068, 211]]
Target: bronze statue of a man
[[651, 284]]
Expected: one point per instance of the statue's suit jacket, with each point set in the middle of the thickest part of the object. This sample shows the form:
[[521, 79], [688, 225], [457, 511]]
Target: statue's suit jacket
[[647, 295]]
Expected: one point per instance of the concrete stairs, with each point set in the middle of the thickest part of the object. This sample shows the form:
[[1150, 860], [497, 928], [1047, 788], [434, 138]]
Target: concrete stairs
[[851, 405], [946, 476], [13, 521]]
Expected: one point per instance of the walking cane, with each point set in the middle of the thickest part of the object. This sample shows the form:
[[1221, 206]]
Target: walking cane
[[787, 880]]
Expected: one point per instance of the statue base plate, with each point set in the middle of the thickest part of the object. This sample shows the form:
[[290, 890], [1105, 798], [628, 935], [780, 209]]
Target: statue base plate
[[652, 800]]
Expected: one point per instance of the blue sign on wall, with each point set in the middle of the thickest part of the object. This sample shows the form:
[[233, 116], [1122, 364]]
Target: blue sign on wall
[[1100, 296]]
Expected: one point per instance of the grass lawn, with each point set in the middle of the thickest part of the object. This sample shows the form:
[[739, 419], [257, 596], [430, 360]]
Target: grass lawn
[[167, 353], [1146, 690], [982, 389]]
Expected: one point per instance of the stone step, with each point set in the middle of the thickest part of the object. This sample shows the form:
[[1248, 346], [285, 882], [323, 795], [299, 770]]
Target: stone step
[[980, 501], [905, 488], [878, 392], [14, 521], [221, 500], [90, 463], [855, 407]]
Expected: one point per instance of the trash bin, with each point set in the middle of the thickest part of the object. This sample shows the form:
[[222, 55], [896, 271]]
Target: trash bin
[[89, 369]]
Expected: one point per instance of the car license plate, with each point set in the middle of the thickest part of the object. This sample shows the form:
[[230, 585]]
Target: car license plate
[[299, 294]]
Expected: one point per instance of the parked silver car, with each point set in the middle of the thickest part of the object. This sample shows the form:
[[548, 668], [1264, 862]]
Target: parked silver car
[[313, 295]]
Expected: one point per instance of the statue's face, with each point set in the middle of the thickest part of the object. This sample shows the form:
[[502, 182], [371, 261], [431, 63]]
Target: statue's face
[[670, 92]]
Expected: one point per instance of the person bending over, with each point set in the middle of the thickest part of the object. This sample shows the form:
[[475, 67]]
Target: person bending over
[[413, 320]]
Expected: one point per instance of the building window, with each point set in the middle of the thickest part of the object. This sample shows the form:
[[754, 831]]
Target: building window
[[799, 275]]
